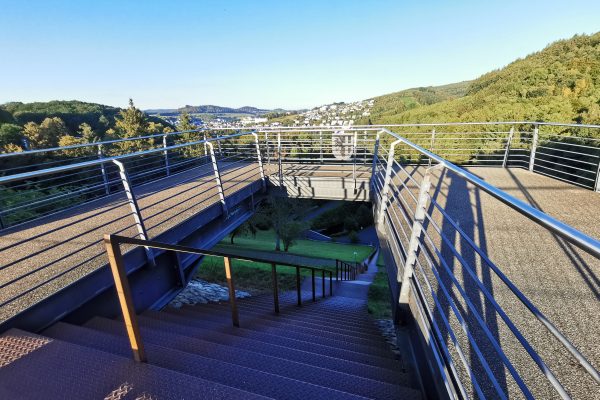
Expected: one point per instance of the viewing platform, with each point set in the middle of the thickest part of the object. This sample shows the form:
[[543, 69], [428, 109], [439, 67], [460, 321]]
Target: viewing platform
[[489, 234]]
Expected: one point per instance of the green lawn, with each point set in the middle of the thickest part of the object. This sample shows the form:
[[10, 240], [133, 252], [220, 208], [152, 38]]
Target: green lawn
[[256, 277], [249, 276], [265, 240]]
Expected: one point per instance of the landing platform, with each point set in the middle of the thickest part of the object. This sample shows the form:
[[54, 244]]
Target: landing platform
[[561, 280]]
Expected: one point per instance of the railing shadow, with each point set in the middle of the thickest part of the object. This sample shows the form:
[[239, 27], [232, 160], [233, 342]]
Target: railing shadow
[[467, 212], [583, 268]]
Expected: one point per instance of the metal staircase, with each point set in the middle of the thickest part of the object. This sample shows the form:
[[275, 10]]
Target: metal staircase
[[330, 349]]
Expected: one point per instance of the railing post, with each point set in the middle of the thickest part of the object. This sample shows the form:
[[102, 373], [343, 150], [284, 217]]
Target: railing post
[[268, 149], [275, 287], [364, 147], [115, 260], [386, 183], [260, 164], [336, 270], [218, 178], [166, 155], [205, 145], [323, 283], [314, 294], [507, 150], [298, 289], [597, 183], [375, 158], [279, 159], [321, 146], [219, 146], [135, 209], [235, 318], [103, 170], [354, 155], [432, 145], [415, 236], [330, 283], [534, 143]]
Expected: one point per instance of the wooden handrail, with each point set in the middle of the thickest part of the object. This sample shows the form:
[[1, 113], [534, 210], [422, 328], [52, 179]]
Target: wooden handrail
[[115, 258]]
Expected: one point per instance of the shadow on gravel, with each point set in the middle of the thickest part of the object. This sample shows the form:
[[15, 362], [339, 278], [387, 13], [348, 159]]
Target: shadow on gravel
[[453, 261], [588, 275]]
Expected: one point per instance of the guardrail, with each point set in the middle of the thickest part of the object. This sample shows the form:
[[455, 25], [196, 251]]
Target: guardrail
[[113, 248], [418, 228], [58, 214], [345, 271], [415, 222]]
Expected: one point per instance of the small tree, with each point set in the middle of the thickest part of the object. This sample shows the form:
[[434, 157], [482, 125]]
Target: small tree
[[279, 213], [291, 231], [87, 134], [10, 134], [46, 134], [131, 122], [247, 227]]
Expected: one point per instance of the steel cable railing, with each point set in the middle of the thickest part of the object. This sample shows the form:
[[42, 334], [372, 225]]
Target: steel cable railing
[[51, 249], [429, 253]]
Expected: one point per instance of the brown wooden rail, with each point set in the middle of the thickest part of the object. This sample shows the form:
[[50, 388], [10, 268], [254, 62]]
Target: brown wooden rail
[[115, 257]]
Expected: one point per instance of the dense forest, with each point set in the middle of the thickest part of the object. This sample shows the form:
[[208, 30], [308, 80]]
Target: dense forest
[[48, 124], [561, 83]]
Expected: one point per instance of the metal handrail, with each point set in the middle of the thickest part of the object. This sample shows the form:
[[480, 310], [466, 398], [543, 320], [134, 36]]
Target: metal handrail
[[113, 243], [563, 230], [69, 167], [551, 224]]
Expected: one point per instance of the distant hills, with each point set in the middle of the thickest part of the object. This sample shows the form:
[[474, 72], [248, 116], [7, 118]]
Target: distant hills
[[211, 109]]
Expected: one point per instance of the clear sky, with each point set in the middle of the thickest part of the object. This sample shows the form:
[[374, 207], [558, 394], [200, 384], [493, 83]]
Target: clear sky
[[290, 54]]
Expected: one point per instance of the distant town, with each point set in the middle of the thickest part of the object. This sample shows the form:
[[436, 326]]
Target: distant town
[[336, 114]]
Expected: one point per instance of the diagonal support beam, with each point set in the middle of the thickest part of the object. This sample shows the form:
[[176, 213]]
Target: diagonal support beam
[[215, 165], [386, 183], [415, 235], [135, 209], [260, 164]]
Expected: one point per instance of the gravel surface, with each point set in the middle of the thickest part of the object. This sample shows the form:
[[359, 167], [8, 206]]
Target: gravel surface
[[40, 257], [561, 280], [201, 292]]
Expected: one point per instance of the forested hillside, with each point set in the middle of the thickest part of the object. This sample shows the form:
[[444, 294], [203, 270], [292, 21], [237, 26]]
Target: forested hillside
[[53, 123], [389, 105], [560, 83]]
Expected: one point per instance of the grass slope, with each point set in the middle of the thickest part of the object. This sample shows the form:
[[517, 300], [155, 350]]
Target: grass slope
[[256, 277]]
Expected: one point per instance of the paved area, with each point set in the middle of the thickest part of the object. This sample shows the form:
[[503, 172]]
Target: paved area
[[561, 280], [42, 256]]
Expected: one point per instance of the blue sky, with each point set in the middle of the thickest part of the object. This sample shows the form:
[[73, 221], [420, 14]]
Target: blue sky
[[291, 54]]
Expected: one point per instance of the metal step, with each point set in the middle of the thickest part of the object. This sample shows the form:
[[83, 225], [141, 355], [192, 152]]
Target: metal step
[[223, 316], [383, 374], [381, 350], [269, 317], [36, 367], [307, 373], [237, 338], [226, 373], [320, 313]]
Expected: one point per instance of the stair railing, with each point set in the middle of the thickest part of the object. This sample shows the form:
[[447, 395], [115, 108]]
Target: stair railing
[[347, 271], [119, 271]]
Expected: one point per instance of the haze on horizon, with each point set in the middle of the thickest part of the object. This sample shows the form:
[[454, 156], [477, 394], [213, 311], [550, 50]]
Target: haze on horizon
[[279, 54]]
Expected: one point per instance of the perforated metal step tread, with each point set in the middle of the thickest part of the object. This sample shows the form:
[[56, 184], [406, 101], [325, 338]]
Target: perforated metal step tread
[[37, 367], [320, 376]]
